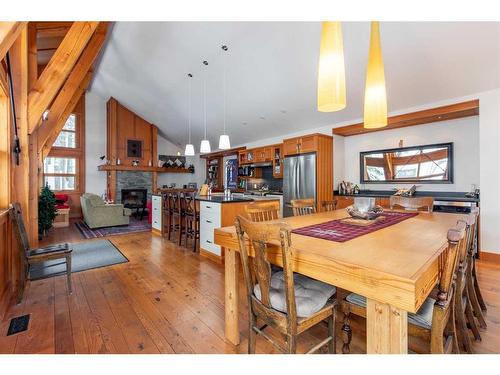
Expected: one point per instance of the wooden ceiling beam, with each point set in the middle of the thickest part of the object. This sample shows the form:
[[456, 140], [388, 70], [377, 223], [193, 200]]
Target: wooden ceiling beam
[[427, 116], [77, 81], [9, 31], [58, 69]]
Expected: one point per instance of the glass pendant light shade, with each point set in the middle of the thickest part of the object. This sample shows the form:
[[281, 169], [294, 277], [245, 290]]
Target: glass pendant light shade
[[189, 151], [375, 111], [224, 143], [331, 69], [205, 147]]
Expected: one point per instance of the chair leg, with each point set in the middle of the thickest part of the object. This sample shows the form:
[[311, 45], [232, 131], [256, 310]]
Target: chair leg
[[68, 273], [291, 344], [346, 333], [196, 234], [251, 335], [332, 345], [477, 289], [471, 320], [461, 326], [476, 307], [169, 225], [22, 283], [179, 241]]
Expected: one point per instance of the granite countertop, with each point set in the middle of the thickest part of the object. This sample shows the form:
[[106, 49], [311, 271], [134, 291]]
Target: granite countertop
[[222, 199], [437, 195]]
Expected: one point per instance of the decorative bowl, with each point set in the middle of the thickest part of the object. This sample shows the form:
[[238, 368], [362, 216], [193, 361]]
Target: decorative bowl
[[370, 214]]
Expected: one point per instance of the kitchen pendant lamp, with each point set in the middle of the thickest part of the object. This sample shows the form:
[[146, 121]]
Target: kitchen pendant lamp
[[375, 111], [205, 144], [331, 69], [224, 143], [189, 151]]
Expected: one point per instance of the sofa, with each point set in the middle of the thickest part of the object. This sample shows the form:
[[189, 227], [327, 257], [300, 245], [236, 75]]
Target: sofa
[[98, 214]]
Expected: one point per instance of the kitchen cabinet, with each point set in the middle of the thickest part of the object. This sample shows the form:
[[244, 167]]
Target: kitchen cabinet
[[343, 202], [156, 214], [277, 154], [301, 145]]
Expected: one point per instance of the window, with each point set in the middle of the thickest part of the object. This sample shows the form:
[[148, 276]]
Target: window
[[67, 136], [60, 173]]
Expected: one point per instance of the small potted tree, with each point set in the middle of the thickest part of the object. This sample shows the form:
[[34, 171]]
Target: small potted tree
[[46, 210]]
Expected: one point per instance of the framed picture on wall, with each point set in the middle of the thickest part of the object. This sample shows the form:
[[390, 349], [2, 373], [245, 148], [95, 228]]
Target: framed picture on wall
[[134, 148]]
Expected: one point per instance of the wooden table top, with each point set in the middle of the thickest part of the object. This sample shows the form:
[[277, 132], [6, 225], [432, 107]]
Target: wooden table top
[[402, 257]]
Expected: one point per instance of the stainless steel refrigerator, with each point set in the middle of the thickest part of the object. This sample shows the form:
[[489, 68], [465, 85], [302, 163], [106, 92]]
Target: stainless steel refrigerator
[[299, 180]]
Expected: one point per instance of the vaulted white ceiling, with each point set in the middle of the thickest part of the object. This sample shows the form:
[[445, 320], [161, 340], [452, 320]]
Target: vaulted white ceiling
[[272, 68]]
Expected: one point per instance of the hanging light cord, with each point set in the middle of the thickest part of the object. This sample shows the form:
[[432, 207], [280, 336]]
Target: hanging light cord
[[224, 48], [205, 98], [189, 106]]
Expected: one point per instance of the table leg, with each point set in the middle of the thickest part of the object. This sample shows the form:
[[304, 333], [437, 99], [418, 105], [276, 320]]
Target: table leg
[[386, 329], [231, 265]]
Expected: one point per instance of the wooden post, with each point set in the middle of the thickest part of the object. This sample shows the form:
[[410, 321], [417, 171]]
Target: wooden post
[[231, 266], [386, 329]]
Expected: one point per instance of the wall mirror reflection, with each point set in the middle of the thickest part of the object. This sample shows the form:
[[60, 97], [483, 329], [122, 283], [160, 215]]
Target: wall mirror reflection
[[423, 164]]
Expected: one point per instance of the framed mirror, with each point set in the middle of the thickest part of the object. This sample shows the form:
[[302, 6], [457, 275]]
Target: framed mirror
[[429, 164]]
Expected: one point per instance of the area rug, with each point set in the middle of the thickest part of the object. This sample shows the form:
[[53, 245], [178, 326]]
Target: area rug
[[337, 231], [85, 256], [135, 226]]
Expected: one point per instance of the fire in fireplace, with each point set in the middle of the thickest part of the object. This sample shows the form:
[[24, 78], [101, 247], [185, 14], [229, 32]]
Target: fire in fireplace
[[135, 199]]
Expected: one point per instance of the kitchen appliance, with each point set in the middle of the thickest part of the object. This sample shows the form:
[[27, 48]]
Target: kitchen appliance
[[299, 180], [454, 207]]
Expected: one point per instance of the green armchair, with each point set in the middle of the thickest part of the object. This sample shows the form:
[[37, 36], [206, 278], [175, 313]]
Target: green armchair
[[98, 214]]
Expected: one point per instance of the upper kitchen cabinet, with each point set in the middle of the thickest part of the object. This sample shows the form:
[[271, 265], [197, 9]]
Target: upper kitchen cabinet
[[277, 153], [301, 145]]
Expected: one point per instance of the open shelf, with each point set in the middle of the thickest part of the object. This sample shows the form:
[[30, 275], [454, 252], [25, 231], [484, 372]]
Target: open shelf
[[141, 168]]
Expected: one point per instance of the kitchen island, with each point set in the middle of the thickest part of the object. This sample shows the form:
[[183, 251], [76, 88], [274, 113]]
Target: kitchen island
[[218, 211]]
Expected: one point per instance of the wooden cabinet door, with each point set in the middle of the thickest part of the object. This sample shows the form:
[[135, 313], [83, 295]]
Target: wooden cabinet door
[[250, 156], [267, 153], [290, 146], [277, 155], [343, 202], [258, 155], [384, 202], [242, 157], [308, 143]]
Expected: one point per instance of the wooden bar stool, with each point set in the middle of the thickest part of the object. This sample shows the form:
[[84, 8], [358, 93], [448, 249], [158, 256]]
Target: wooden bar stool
[[191, 218], [434, 322], [302, 207], [263, 211], [288, 302]]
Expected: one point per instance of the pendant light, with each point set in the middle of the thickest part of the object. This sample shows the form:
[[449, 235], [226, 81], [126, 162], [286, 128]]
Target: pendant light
[[205, 143], [375, 111], [331, 69], [224, 143], [189, 151]]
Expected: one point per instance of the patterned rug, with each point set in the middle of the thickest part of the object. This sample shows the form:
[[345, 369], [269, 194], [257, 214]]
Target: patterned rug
[[135, 226], [337, 231], [85, 256]]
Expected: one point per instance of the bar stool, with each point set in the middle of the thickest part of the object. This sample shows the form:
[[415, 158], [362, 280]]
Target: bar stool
[[191, 218]]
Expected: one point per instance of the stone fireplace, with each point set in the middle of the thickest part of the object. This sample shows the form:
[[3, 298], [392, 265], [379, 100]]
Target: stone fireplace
[[133, 180]]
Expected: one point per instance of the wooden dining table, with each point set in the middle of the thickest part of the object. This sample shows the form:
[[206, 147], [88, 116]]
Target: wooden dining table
[[395, 268]]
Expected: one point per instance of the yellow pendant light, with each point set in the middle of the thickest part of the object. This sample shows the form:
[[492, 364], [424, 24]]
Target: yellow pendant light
[[331, 69], [375, 112]]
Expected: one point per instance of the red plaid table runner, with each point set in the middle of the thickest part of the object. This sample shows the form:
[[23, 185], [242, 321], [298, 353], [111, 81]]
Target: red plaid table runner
[[337, 231]]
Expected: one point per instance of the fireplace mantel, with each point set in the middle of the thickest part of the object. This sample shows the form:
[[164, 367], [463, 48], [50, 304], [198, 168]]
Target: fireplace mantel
[[139, 168]]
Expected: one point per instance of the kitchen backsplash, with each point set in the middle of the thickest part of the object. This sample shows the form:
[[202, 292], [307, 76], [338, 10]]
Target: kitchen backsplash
[[275, 184]]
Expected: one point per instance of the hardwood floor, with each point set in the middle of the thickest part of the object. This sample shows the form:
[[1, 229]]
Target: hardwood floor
[[165, 300]]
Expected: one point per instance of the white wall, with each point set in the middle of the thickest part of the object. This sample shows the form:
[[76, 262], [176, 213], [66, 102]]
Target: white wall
[[489, 140], [464, 133], [95, 146]]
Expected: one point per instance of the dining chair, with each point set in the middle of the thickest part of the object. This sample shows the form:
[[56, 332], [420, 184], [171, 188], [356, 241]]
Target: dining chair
[[412, 203], [435, 320], [286, 301], [475, 295], [329, 205], [302, 207], [191, 218], [464, 311], [35, 257], [263, 211]]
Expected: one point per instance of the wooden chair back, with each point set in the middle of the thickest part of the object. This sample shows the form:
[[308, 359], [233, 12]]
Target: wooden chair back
[[20, 229], [189, 204], [258, 271], [302, 207], [329, 205], [412, 203], [174, 202], [456, 239], [263, 211]]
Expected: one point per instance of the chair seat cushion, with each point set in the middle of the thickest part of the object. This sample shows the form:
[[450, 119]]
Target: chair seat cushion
[[310, 295], [423, 317]]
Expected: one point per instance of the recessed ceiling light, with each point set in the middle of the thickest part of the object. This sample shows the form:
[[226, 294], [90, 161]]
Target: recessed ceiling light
[[283, 111], [262, 117], [244, 123]]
